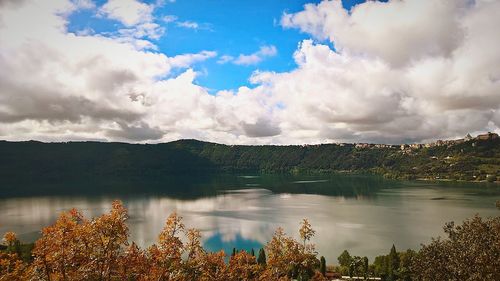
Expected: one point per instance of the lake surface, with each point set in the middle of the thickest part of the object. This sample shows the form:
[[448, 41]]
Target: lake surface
[[363, 214]]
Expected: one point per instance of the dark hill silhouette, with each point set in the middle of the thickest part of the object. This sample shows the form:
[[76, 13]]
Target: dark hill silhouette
[[33, 160]]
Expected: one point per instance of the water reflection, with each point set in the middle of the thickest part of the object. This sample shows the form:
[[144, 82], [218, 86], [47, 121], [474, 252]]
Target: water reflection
[[363, 214]]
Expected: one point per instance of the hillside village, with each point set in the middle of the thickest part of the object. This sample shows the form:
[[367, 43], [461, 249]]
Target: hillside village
[[409, 147]]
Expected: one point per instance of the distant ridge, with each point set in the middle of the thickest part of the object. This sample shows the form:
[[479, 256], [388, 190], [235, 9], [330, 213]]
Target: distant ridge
[[469, 159]]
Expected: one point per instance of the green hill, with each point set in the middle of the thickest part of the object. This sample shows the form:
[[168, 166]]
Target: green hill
[[472, 160]]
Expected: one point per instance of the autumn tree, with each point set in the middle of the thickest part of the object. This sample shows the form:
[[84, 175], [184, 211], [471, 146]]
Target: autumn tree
[[77, 249], [277, 256], [133, 264], [11, 266], [166, 257], [287, 257], [58, 253], [243, 266], [10, 239], [193, 265], [306, 232], [105, 238]]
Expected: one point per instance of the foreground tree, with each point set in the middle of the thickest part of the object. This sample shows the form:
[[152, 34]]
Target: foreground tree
[[166, 257], [471, 252], [77, 249], [61, 254], [12, 268], [287, 258], [243, 266]]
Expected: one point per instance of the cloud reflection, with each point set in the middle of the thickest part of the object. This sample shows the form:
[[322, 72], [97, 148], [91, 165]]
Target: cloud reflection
[[247, 218]]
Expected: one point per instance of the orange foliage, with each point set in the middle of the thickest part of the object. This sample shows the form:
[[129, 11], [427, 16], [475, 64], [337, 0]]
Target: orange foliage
[[74, 248], [288, 258], [10, 238], [11, 268], [243, 266]]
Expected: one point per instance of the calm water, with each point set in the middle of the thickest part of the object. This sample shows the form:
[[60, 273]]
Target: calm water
[[363, 214]]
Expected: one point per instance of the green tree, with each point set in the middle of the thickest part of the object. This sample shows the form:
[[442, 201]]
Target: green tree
[[261, 259], [365, 266], [381, 268], [393, 263], [252, 252], [322, 266], [470, 252], [345, 258], [405, 270]]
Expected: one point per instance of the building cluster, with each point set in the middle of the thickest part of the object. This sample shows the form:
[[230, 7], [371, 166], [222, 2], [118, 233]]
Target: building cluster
[[371, 145], [415, 146], [482, 137]]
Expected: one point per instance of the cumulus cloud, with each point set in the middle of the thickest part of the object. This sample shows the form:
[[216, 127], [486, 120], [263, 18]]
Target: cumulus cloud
[[401, 71], [395, 74], [261, 128], [139, 132], [128, 12], [137, 19], [397, 31], [51, 79]]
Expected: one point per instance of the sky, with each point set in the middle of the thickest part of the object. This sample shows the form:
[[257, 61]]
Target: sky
[[249, 72]]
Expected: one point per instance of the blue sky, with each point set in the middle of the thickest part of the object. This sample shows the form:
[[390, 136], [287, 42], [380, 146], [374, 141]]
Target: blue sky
[[226, 26]]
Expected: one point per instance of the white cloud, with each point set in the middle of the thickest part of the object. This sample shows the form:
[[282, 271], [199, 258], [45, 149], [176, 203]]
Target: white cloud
[[188, 24], [186, 60], [84, 4], [250, 59], [170, 18], [397, 32], [128, 12], [194, 25], [137, 17], [225, 59]]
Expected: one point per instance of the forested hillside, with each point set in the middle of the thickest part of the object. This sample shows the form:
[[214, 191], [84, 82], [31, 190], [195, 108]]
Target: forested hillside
[[471, 160]]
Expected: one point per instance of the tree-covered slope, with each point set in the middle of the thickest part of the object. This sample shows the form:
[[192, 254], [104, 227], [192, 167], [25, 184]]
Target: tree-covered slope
[[471, 160]]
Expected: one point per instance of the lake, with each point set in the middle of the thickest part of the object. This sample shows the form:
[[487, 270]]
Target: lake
[[363, 214]]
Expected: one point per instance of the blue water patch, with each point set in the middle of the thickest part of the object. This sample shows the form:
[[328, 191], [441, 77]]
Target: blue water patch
[[216, 243]]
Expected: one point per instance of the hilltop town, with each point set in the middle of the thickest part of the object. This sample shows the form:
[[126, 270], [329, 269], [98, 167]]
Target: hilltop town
[[408, 147]]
